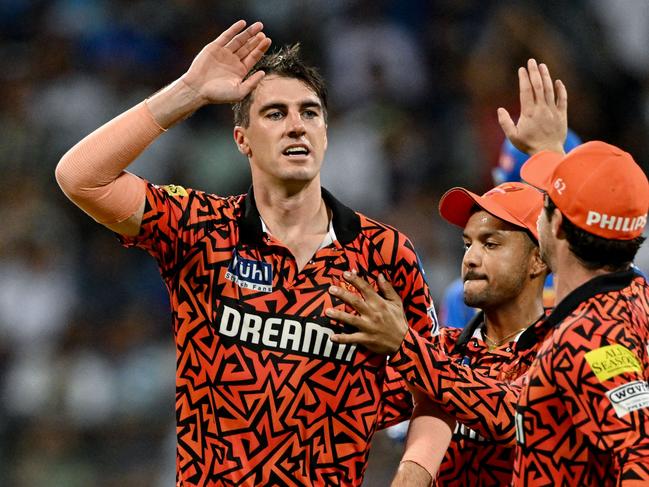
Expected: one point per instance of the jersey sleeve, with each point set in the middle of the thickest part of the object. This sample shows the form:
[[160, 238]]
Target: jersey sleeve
[[174, 219], [606, 393], [484, 404], [405, 272]]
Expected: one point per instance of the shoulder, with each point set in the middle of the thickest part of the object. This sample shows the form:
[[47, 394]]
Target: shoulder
[[198, 203], [390, 243]]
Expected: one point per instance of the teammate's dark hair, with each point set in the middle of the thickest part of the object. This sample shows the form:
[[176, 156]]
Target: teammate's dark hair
[[596, 252], [286, 62]]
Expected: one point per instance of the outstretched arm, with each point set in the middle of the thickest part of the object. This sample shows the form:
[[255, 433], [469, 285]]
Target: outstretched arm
[[92, 174], [543, 122], [482, 403]]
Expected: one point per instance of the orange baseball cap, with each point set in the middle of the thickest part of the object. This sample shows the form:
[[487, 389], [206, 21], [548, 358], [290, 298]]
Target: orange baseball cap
[[516, 203], [597, 186]]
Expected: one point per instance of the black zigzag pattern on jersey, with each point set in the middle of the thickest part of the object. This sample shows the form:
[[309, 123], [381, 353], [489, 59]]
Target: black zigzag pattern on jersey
[[256, 402], [571, 434]]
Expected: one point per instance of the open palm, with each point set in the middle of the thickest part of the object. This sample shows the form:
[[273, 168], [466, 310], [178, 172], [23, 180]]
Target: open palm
[[218, 71]]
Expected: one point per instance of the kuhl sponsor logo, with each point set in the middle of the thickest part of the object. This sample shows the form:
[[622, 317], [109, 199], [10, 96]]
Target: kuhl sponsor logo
[[250, 274]]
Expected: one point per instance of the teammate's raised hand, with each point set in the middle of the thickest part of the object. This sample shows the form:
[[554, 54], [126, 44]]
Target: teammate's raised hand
[[543, 122], [381, 321], [217, 72]]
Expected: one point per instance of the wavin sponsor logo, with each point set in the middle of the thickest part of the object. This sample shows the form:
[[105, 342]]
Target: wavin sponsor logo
[[263, 331], [250, 274], [629, 397]]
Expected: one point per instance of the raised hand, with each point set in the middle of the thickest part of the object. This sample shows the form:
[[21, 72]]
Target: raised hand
[[217, 72], [381, 322], [543, 122]]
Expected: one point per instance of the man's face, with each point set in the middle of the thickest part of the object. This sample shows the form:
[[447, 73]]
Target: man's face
[[287, 135], [496, 261], [546, 240]]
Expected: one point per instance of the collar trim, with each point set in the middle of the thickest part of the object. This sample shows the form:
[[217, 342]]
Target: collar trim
[[613, 281], [346, 222]]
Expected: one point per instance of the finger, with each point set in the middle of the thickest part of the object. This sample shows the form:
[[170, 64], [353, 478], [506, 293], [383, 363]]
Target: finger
[[240, 39], [257, 53], [347, 318], [364, 287], [250, 45], [251, 83], [525, 89], [506, 123], [535, 80], [562, 97], [349, 338], [548, 87], [351, 299], [387, 289], [227, 35]]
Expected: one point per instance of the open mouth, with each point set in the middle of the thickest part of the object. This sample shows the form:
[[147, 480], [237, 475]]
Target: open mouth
[[296, 151]]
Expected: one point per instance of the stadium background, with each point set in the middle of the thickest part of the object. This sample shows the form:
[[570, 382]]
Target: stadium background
[[86, 358]]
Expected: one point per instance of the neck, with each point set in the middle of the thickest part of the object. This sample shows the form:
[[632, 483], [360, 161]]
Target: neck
[[569, 274], [287, 209], [516, 315]]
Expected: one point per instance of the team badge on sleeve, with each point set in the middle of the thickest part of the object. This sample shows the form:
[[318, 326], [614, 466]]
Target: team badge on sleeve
[[173, 190]]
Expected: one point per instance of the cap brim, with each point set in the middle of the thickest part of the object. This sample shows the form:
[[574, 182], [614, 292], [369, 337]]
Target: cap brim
[[539, 168], [456, 204]]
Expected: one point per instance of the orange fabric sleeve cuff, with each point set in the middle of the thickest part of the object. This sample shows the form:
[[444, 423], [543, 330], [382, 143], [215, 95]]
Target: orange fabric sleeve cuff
[[92, 173], [429, 435]]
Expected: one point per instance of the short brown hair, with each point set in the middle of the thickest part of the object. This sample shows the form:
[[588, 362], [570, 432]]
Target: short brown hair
[[286, 62], [593, 251]]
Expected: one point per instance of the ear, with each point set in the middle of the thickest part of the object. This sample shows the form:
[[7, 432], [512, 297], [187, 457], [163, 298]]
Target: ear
[[556, 225], [326, 141], [537, 266], [241, 140]]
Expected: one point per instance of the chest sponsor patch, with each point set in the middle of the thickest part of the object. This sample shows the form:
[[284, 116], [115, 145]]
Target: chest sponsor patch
[[612, 360], [629, 397], [296, 335], [250, 274]]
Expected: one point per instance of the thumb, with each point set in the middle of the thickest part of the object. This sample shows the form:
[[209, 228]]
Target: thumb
[[506, 123], [251, 83]]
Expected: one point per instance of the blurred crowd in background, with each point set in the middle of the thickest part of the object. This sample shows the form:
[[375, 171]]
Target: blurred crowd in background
[[86, 354]]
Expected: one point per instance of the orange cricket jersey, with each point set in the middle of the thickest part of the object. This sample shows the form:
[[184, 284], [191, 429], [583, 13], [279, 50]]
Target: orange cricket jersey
[[473, 459], [263, 397], [472, 383], [583, 415]]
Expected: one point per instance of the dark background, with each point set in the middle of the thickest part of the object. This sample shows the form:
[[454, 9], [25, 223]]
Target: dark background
[[86, 355]]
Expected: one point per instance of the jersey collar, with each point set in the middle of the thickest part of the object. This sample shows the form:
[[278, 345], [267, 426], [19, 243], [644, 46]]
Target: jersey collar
[[346, 222], [613, 281], [530, 337]]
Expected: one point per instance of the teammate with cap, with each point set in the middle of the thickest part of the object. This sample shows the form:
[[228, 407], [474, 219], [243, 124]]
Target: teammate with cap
[[583, 416], [503, 276], [454, 312]]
